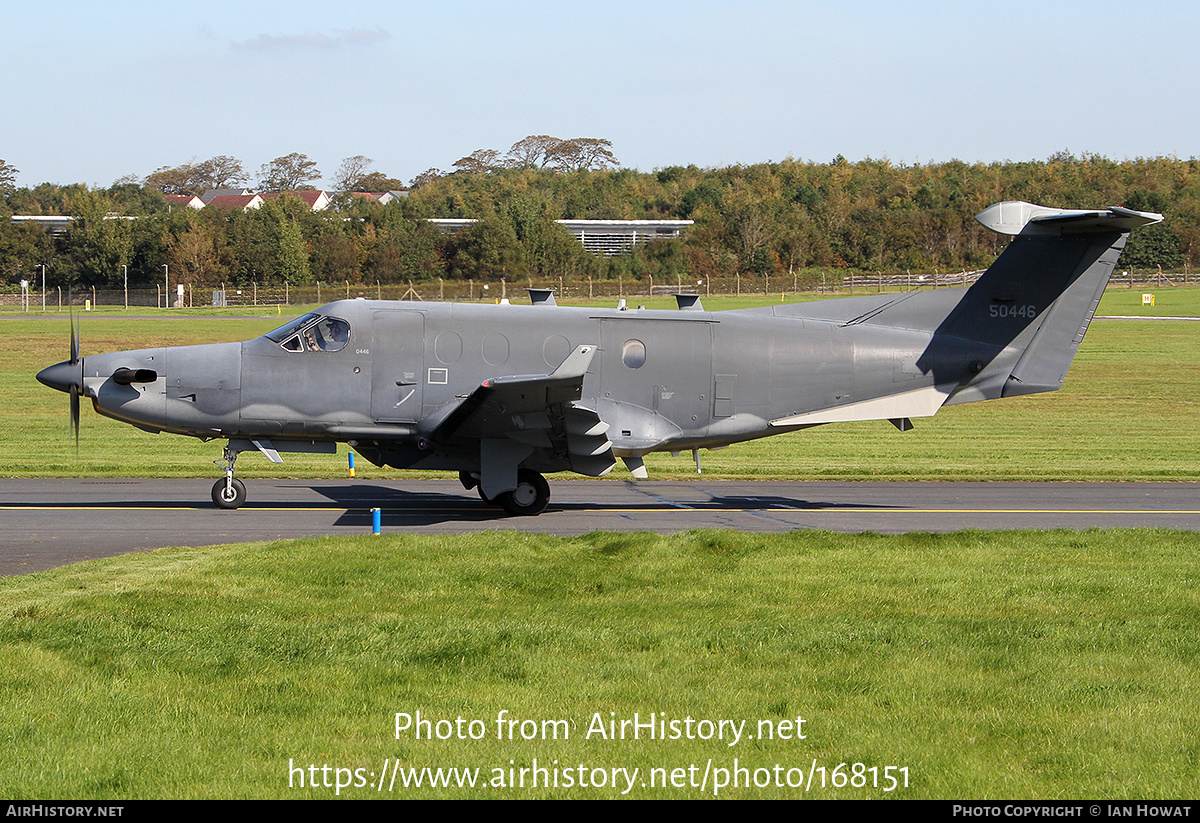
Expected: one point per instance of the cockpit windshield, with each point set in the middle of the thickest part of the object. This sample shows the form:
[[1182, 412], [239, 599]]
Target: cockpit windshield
[[312, 332], [280, 334]]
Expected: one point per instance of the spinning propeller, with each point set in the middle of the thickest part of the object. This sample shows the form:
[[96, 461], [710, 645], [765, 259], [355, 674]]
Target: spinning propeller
[[68, 377]]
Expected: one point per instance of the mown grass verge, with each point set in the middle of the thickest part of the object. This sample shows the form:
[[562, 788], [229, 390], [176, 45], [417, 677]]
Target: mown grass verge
[[990, 665]]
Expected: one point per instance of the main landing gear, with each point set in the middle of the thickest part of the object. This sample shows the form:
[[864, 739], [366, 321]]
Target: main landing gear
[[228, 493], [530, 497]]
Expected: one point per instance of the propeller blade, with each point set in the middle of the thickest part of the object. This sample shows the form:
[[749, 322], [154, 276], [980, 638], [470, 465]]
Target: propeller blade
[[76, 382], [75, 415], [74, 330], [74, 340]]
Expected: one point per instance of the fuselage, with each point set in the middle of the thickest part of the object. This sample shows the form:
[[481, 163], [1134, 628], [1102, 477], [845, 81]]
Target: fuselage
[[661, 380]]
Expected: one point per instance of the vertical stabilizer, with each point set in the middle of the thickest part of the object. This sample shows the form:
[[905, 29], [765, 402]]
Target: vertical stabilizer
[[1029, 311]]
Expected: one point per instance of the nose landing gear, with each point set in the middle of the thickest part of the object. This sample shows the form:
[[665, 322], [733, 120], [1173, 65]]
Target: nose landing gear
[[228, 493]]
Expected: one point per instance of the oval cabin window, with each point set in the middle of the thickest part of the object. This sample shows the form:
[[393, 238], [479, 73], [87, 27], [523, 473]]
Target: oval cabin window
[[633, 354]]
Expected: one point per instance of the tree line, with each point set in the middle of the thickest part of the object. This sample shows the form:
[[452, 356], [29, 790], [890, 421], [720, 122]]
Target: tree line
[[787, 217]]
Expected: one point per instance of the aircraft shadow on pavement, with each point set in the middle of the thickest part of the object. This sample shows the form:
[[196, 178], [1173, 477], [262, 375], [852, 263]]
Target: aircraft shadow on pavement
[[759, 503], [406, 507], [417, 508]]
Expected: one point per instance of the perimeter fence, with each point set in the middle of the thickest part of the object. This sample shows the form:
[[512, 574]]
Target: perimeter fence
[[258, 294]]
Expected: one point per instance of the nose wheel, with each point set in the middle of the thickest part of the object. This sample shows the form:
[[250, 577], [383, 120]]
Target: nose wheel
[[228, 492]]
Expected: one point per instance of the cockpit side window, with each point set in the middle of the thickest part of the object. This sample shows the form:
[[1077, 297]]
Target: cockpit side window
[[328, 334], [312, 332]]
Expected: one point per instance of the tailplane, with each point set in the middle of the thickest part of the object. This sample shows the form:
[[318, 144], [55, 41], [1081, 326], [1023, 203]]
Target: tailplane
[[1027, 314]]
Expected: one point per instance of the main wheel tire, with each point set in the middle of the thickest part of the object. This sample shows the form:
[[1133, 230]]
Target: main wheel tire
[[482, 496], [229, 498], [530, 497], [468, 480]]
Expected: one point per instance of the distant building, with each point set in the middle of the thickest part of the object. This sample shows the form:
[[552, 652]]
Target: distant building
[[208, 196], [53, 224], [381, 197], [245, 199], [235, 202], [605, 237], [612, 237], [316, 200], [184, 201]]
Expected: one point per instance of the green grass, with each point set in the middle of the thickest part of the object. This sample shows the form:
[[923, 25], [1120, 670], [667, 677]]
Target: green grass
[[1126, 412], [1007, 665]]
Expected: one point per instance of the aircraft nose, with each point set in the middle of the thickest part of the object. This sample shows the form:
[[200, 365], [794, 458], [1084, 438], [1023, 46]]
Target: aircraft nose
[[62, 376]]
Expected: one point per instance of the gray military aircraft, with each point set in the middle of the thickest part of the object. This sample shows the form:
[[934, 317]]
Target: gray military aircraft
[[504, 393]]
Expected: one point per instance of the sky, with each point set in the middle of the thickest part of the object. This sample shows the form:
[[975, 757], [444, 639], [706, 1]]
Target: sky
[[94, 92]]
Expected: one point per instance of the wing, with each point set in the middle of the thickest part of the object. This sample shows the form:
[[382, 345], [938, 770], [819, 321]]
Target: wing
[[513, 417]]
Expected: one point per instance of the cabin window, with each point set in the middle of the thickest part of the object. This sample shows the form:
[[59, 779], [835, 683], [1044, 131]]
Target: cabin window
[[633, 354]]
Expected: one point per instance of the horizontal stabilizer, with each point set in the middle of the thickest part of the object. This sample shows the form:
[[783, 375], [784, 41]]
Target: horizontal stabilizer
[[917, 403], [1018, 217]]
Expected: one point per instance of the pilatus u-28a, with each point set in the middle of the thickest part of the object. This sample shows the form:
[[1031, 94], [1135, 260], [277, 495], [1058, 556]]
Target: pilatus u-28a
[[503, 393]]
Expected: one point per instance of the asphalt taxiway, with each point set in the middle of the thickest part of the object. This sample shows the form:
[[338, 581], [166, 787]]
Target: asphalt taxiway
[[49, 523]]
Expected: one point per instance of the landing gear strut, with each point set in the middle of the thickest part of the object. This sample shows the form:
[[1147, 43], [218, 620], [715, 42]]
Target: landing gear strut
[[470, 480], [228, 493]]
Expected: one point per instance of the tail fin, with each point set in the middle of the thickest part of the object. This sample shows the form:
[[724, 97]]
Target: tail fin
[[1027, 314]]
